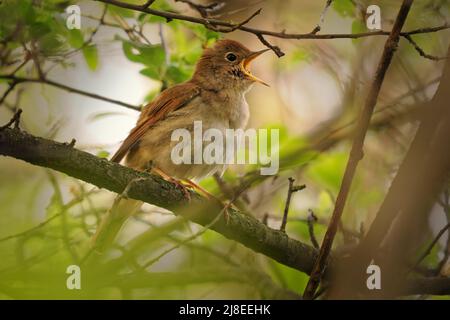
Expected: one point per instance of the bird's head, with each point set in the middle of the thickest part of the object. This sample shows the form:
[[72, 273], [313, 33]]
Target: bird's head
[[227, 64]]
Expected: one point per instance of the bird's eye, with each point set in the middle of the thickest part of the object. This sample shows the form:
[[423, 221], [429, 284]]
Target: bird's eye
[[231, 57]]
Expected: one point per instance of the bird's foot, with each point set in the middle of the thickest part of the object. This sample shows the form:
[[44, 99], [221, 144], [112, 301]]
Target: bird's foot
[[178, 183], [225, 206], [226, 213]]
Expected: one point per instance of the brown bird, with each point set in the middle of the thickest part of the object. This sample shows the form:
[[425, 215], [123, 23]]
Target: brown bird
[[215, 95]]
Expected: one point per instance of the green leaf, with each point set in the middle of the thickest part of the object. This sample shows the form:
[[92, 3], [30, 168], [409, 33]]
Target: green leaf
[[299, 55], [51, 44], [91, 56], [151, 72], [152, 55], [145, 54], [39, 29], [75, 38], [358, 26], [345, 8], [176, 74], [103, 154]]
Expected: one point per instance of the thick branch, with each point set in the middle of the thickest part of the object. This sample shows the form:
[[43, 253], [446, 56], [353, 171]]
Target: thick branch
[[105, 174], [242, 228]]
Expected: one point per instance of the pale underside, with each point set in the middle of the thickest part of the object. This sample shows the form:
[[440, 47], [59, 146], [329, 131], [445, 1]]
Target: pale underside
[[227, 110]]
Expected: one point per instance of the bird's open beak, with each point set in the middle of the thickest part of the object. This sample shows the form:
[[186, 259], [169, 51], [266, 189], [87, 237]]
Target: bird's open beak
[[245, 64]]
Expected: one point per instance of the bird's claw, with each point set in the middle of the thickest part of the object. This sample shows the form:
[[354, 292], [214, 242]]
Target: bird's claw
[[226, 213], [178, 184]]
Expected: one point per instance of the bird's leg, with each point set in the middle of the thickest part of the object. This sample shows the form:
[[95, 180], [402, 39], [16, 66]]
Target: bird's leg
[[212, 197], [176, 182]]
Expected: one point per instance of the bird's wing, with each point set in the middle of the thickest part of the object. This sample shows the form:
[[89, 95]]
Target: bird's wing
[[168, 101]]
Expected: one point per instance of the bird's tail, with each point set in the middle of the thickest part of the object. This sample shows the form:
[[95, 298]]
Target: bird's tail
[[113, 221]]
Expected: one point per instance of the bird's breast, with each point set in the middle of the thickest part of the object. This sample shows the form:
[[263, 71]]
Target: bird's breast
[[230, 108]]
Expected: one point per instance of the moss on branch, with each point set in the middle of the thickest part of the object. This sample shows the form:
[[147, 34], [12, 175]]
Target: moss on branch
[[152, 189]]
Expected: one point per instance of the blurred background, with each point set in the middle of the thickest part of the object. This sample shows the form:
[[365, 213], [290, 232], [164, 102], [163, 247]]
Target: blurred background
[[316, 91]]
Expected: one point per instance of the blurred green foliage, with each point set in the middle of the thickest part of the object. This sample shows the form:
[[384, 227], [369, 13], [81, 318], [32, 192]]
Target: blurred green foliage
[[47, 220]]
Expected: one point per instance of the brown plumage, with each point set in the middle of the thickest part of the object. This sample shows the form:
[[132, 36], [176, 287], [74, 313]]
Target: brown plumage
[[168, 101], [215, 96]]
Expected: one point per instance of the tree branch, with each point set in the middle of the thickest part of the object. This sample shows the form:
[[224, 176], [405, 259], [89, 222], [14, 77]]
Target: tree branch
[[260, 33], [318, 27], [421, 52], [432, 244], [152, 189], [114, 177], [394, 236], [16, 80], [291, 189], [356, 152]]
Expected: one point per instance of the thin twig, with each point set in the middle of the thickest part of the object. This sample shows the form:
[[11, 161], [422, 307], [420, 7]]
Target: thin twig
[[291, 189], [421, 51], [431, 246], [35, 57], [194, 236], [311, 220], [260, 33], [14, 120], [11, 87], [322, 17], [322, 222], [70, 89], [147, 4], [356, 152], [182, 242], [275, 49], [204, 10], [245, 21], [206, 249]]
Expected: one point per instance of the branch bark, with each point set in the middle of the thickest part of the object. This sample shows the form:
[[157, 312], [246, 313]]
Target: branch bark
[[393, 238], [242, 228], [152, 189], [356, 153]]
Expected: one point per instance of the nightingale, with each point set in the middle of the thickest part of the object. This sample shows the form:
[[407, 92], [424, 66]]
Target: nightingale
[[215, 95]]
